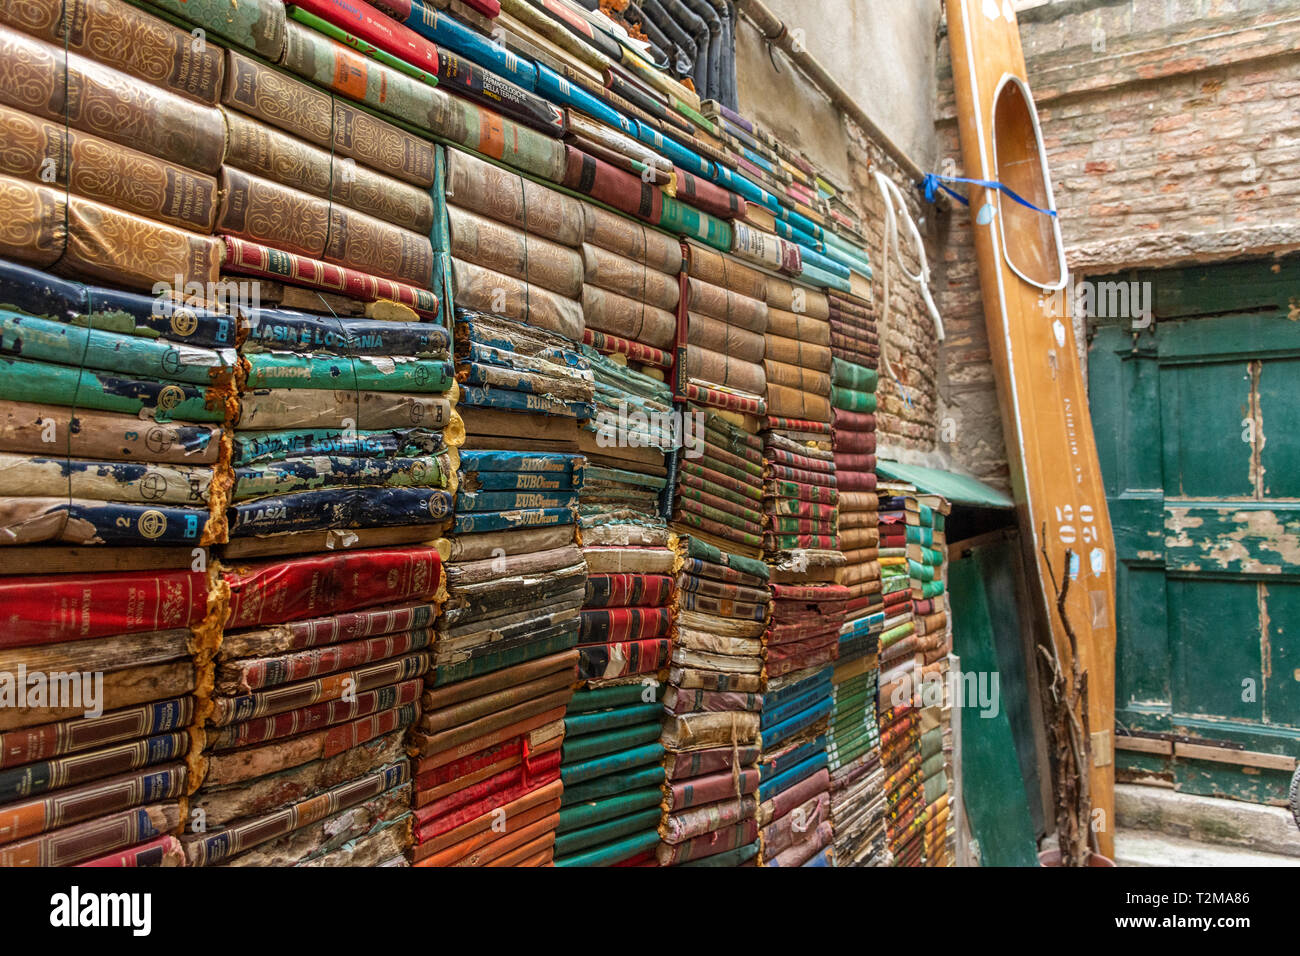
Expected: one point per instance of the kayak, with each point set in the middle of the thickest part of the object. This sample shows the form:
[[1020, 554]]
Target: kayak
[[1055, 473]]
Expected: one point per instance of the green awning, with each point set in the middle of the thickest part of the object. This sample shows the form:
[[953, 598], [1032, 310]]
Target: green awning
[[959, 489]]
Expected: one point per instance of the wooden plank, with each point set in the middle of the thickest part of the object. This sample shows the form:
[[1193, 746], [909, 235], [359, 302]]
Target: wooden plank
[[1246, 537], [1145, 745], [1244, 758]]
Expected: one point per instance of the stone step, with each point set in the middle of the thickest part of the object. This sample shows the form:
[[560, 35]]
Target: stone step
[[1227, 825]]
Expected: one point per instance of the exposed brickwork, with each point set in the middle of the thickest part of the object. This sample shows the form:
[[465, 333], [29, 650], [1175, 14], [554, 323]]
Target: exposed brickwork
[[1173, 135], [1177, 120], [908, 417]]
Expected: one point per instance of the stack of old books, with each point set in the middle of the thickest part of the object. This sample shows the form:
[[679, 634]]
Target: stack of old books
[[613, 773], [346, 437], [726, 318], [900, 758], [857, 777], [612, 764], [712, 705], [97, 704], [488, 744], [627, 623], [76, 382], [927, 558], [314, 683], [898, 637], [631, 289], [492, 724], [795, 811], [515, 247], [719, 493]]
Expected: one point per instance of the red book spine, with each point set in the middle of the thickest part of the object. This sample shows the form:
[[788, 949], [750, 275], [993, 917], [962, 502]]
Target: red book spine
[[367, 23], [164, 851], [278, 591], [74, 607]]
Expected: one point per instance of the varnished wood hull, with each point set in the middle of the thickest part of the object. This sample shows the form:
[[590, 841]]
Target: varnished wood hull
[[1055, 472]]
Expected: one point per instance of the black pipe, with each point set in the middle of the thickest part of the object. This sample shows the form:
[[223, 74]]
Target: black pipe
[[710, 17], [699, 32]]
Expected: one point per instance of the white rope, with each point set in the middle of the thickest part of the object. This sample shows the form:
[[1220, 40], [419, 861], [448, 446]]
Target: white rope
[[892, 196]]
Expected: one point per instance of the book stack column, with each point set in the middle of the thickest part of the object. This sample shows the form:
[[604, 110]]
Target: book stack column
[[857, 776], [113, 403], [712, 704], [488, 745], [613, 760], [898, 697], [927, 554], [801, 546]]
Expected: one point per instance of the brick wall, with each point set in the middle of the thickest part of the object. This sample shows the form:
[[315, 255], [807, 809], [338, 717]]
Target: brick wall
[[1172, 126], [908, 419], [1173, 136]]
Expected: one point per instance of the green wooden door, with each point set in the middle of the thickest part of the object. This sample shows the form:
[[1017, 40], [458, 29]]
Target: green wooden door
[[1198, 428]]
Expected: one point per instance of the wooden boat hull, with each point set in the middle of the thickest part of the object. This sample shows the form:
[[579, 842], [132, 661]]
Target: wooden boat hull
[[1055, 472]]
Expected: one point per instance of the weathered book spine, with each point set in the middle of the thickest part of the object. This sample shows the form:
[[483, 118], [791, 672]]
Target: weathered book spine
[[335, 67], [396, 373], [314, 717], [92, 839], [246, 676], [49, 775], [323, 631], [503, 521], [310, 474], [23, 475], [263, 448], [212, 848], [39, 150], [364, 834], [29, 427], [288, 590], [26, 818], [42, 340], [127, 39], [93, 98], [105, 391], [513, 500], [256, 25], [53, 740], [270, 330], [277, 409], [36, 520], [251, 258], [46, 610], [261, 149], [47, 296], [340, 508]]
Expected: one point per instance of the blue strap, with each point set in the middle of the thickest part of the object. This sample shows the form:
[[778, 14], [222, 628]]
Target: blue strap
[[934, 182]]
